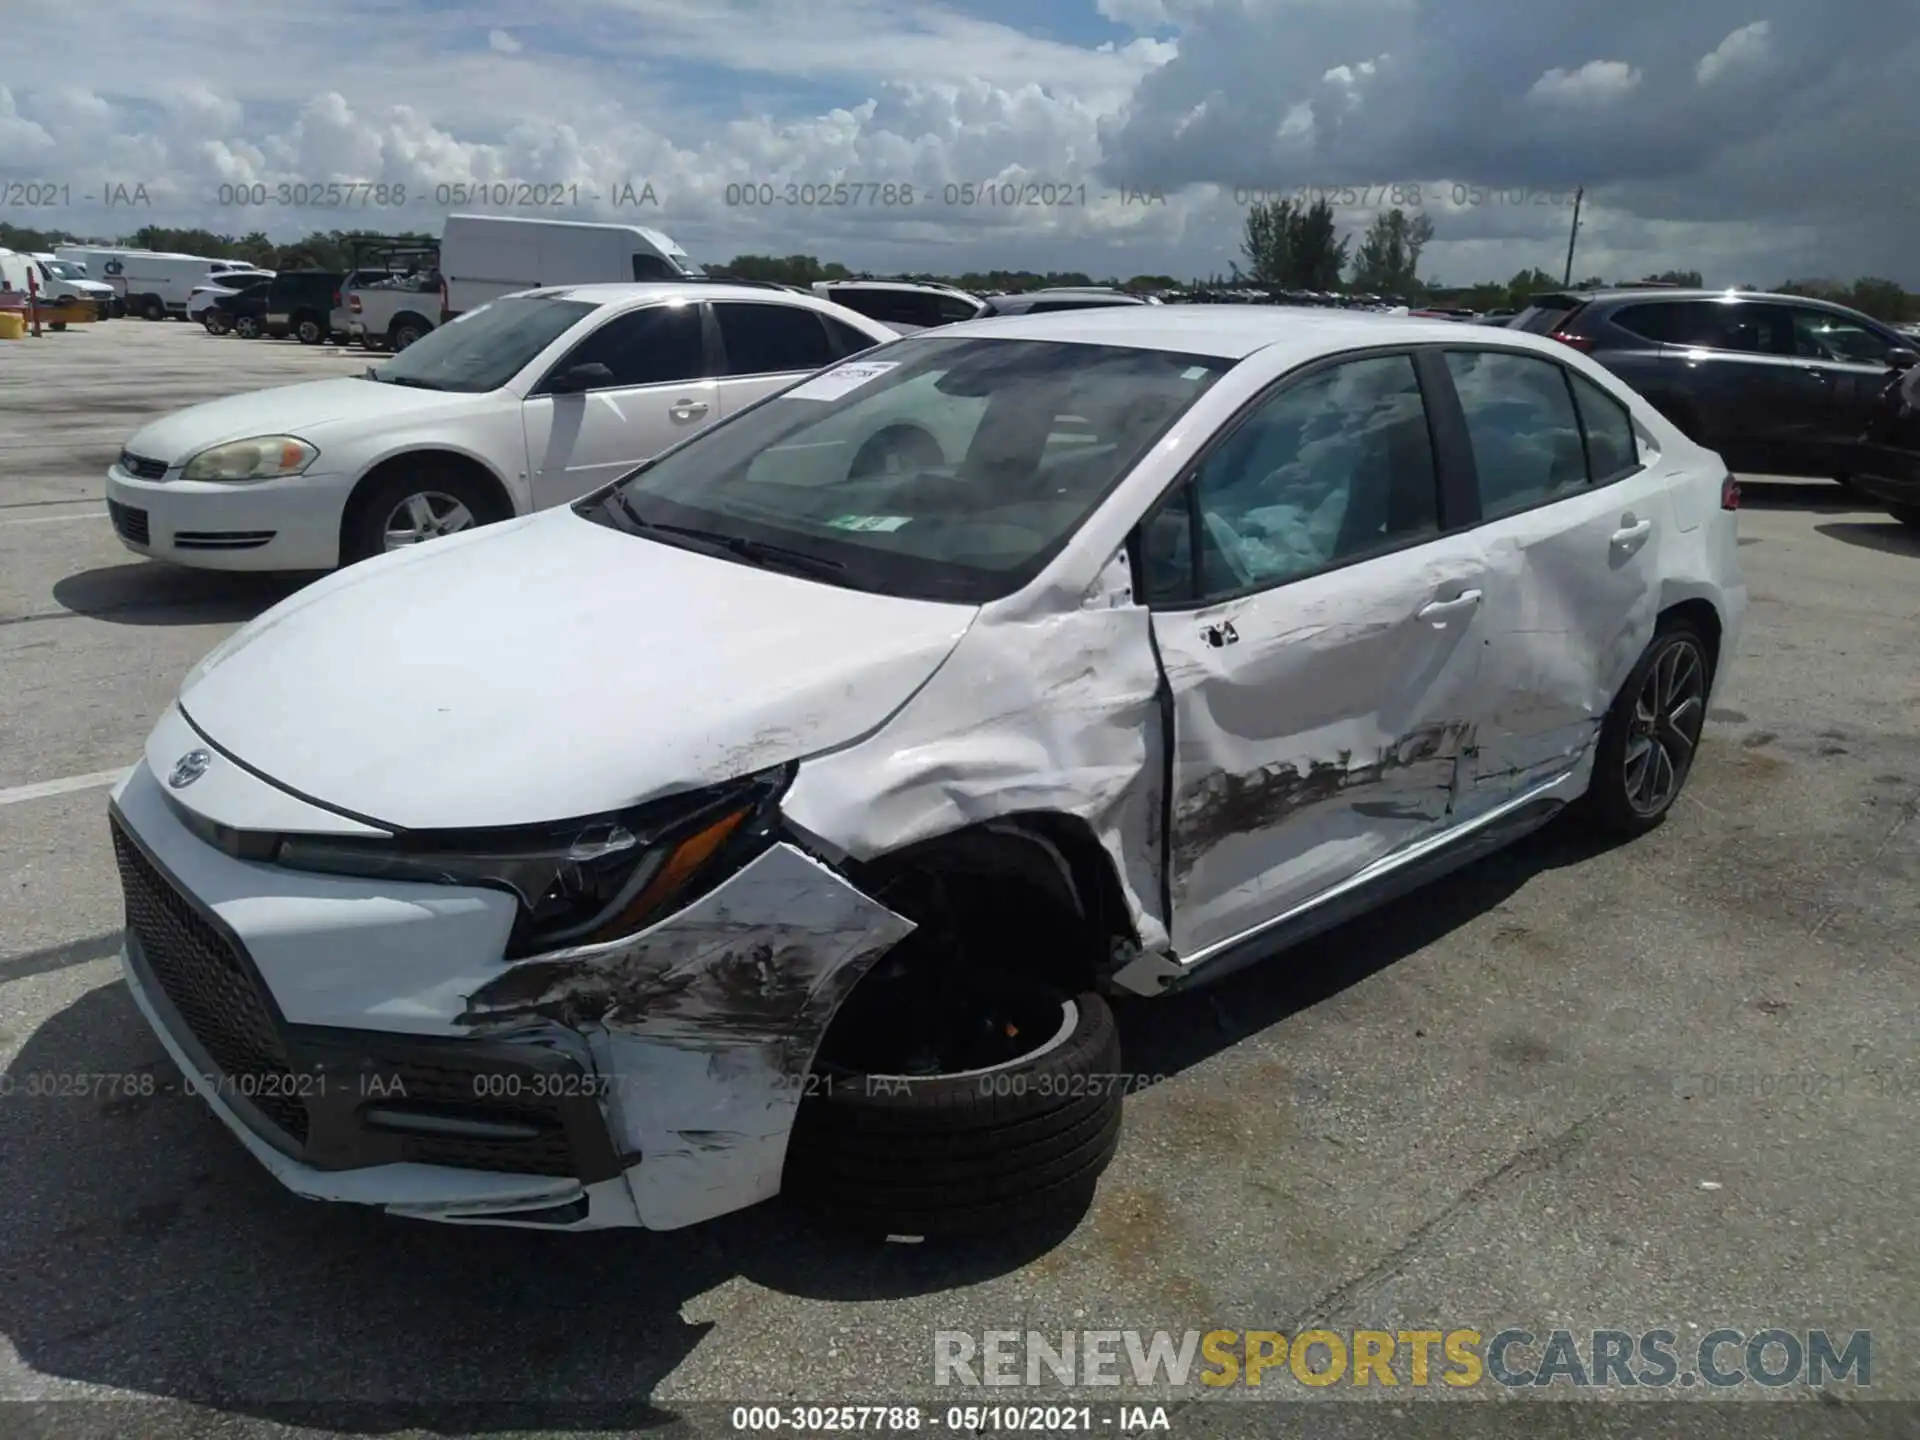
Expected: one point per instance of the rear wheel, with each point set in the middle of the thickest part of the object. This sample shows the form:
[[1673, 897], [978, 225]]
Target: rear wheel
[[152, 308], [246, 327], [403, 334], [218, 323], [309, 331], [1652, 733]]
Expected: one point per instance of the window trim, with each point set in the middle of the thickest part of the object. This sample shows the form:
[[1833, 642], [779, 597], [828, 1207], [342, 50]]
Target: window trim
[[1189, 476], [718, 363], [542, 389], [1573, 399]]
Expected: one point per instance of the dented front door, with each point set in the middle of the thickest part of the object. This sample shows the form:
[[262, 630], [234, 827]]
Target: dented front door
[[1319, 727]]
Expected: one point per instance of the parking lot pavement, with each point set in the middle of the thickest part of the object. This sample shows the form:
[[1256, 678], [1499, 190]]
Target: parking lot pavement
[[1665, 1085]]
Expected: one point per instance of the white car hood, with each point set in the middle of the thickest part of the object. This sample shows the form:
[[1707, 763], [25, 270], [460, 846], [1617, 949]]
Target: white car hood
[[551, 668], [287, 410]]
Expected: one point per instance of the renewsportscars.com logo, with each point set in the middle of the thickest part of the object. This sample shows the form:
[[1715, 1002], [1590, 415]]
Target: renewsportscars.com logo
[[1719, 1358]]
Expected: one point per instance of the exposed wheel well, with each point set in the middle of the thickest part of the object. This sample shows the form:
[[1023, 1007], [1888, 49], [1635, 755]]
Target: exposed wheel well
[[1042, 877], [442, 460]]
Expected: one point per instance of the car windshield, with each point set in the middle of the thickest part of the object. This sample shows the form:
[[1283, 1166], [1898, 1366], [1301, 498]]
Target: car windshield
[[932, 468], [483, 349], [65, 269]]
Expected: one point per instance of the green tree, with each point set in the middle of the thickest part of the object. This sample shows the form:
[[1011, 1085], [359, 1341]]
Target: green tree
[[1388, 260], [1690, 279], [1528, 283], [1292, 245]]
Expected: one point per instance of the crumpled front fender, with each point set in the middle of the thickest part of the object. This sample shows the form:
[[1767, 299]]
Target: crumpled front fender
[[704, 1026]]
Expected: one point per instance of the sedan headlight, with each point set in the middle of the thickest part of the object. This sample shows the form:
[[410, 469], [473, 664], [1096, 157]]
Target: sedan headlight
[[266, 457], [580, 882]]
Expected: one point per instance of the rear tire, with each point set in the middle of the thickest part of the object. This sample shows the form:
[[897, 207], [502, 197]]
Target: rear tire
[[403, 334], [152, 308], [309, 331], [246, 327], [1018, 1144], [1651, 734]]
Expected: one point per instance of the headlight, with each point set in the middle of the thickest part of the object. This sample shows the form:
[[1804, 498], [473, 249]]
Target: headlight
[[268, 457], [580, 882]]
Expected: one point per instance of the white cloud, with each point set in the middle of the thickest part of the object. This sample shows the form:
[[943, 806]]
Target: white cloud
[[1746, 48], [693, 97], [1598, 82]]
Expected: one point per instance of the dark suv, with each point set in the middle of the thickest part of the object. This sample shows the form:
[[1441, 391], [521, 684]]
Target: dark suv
[[1778, 384], [300, 303]]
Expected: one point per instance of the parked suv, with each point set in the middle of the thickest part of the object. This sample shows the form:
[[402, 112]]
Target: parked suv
[[1778, 384], [300, 303]]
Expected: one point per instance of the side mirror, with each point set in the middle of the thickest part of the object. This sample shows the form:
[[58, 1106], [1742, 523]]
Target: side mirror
[[581, 377], [1901, 358]]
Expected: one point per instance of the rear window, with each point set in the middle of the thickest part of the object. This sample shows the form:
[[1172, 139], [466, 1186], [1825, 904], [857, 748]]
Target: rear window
[[1547, 314]]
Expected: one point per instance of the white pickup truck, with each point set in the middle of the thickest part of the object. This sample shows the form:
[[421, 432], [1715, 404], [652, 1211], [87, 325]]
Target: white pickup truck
[[382, 309]]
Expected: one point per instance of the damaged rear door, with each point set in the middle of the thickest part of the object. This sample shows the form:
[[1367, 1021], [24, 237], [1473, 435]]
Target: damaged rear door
[[1572, 523], [1320, 627]]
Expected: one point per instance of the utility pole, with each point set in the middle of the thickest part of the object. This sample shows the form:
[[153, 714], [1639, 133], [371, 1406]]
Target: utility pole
[[1574, 234]]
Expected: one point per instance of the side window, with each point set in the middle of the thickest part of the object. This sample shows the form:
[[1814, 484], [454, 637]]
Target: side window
[[1611, 449], [1661, 323], [1333, 468], [1525, 435], [1821, 335], [1166, 544], [652, 267], [953, 310], [655, 346], [846, 339], [771, 339]]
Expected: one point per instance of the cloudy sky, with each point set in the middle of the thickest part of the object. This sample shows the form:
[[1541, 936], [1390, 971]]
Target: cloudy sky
[[1754, 140]]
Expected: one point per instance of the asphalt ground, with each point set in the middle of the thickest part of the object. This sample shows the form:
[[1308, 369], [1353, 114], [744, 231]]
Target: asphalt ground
[[1666, 1085]]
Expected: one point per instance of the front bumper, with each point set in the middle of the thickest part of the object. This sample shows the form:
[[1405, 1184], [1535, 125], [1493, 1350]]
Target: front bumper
[[367, 1042], [291, 524]]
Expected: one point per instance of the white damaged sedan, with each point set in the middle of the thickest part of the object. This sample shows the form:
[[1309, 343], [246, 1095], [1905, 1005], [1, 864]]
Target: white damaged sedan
[[778, 817]]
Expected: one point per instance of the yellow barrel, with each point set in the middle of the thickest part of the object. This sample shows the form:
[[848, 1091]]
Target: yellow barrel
[[13, 325]]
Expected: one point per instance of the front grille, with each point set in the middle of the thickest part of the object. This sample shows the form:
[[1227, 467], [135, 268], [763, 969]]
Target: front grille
[[454, 1087], [129, 523], [221, 539], [210, 987], [141, 467]]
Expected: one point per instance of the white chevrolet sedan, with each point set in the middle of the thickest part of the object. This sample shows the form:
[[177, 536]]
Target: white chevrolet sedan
[[779, 819], [525, 403]]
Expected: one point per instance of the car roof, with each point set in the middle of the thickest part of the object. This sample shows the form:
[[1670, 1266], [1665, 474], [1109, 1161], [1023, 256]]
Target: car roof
[[1674, 292], [1235, 332], [609, 292]]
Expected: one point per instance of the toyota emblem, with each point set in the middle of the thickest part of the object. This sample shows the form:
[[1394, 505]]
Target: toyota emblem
[[189, 768]]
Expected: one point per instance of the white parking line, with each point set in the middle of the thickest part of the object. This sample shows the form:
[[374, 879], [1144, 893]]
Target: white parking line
[[56, 519], [61, 787]]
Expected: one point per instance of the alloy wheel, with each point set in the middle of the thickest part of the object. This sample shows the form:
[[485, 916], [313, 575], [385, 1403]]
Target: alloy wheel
[[1668, 715], [425, 516]]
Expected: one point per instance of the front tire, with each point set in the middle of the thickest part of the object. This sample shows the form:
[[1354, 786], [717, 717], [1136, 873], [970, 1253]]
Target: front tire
[[1652, 733], [1016, 1144], [413, 507]]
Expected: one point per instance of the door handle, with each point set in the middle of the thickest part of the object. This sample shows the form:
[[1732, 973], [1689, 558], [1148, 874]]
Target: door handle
[[1446, 609], [687, 409], [1630, 531]]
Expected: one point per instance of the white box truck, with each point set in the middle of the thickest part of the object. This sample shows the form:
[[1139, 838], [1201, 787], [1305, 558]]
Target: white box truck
[[159, 285], [483, 257]]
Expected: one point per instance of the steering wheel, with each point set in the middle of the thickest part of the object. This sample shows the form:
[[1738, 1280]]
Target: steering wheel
[[1227, 542]]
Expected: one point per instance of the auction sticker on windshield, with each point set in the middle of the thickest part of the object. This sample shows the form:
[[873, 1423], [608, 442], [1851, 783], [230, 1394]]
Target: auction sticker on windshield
[[869, 522], [841, 379]]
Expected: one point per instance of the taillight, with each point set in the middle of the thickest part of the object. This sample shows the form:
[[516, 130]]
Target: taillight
[[1567, 337], [1729, 494], [336, 299], [353, 304]]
